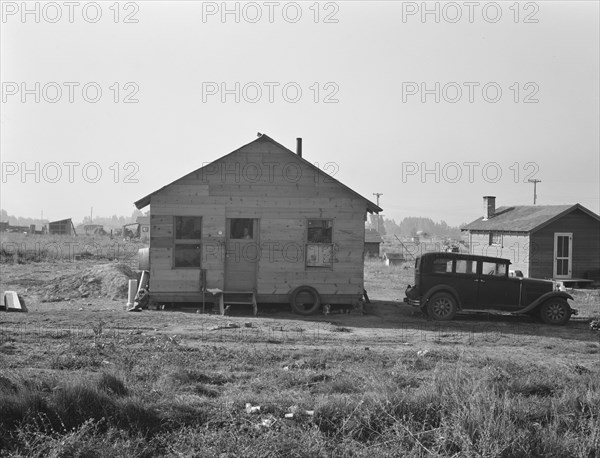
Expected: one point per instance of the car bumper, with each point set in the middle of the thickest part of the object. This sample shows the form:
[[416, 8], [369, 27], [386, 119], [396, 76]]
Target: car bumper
[[413, 302]]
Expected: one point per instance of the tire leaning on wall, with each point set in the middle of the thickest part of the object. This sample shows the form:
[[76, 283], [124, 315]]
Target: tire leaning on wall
[[299, 307]]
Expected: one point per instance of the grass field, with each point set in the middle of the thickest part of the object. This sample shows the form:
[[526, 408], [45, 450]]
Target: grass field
[[80, 377], [24, 248]]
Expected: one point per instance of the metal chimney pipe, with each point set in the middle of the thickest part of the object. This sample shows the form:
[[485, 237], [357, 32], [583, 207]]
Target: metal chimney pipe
[[299, 147]]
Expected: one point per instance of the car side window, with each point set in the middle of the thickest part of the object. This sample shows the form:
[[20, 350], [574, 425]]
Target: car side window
[[442, 265], [493, 268], [464, 266]]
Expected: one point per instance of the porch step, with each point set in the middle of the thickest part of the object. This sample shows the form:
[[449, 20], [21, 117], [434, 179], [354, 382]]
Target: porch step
[[237, 298]]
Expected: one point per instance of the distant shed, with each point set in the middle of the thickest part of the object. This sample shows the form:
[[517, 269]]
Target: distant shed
[[372, 242], [393, 259], [144, 222], [62, 227]]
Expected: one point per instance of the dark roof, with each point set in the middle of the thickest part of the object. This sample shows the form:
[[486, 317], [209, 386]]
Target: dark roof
[[372, 236], [371, 207], [525, 218], [61, 221]]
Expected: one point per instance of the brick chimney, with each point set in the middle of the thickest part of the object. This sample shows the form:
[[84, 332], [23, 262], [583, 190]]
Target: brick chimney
[[489, 207], [299, 146]]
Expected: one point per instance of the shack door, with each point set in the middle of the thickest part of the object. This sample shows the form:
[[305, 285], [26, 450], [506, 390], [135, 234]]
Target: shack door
[[563, 256], [242, 254]]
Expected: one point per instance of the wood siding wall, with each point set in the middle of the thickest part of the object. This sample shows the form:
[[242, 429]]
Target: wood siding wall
[[260, 181], [514, 246], [586, 245]]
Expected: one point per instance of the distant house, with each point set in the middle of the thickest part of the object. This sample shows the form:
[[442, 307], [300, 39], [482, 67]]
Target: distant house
[[372, 242], [62, 227], [561, 242], [393, 259]]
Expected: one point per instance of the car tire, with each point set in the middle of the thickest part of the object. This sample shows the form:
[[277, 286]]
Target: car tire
[[555, 311], [442, 306], [300, 307]]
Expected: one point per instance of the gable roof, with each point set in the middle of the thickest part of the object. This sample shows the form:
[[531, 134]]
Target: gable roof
[[372, 236], [525, 218], [371, 207]]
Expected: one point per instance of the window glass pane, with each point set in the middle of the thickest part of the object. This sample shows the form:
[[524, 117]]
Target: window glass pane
[[186, 255], [495, 238], [492, 268], [319, 255], [501, 269], [442, 265], [466, 267], [565, 247], [319, 230], [241, 228], [188, 228]]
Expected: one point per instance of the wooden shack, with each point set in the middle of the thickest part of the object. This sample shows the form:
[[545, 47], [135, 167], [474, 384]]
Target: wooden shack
[[560, 242], [260, 220], [372, 243], [62, 227]]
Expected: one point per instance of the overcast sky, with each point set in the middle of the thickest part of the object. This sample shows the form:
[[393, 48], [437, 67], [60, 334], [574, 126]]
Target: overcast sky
[[432, 110]]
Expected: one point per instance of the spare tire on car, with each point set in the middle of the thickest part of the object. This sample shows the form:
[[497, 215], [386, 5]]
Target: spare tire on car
[[305, 300]]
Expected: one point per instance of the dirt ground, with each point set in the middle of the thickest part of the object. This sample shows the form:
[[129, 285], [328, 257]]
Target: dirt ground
[[92, 301]]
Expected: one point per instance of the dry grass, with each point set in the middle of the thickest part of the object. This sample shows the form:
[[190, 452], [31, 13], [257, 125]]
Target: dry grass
[[23, 248], [181, 400], [164, 384]]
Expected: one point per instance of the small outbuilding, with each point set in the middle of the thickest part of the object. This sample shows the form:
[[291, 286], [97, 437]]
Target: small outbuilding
[[560, 242], [261, 221], [144, 225], [372, 243], [393, 259], [62, 227]]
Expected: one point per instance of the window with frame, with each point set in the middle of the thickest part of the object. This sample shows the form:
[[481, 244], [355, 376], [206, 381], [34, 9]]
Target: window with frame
[[241, 228], [495, 238], [441, 265], [319, 243], [494, 268], [187, 250], [464, 266]]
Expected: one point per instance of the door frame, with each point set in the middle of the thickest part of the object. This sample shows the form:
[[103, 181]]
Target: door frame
[[569, 257], [255, 240]]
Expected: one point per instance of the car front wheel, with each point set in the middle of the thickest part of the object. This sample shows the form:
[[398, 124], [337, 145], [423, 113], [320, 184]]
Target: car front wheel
[[555, 311], [442, 307]]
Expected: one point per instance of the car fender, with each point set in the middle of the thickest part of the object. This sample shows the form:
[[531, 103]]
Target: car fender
[[437, 289], [543, 298]]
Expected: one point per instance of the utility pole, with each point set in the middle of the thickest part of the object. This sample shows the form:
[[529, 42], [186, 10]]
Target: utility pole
[[378, 194], [91, 214], [535, 181]]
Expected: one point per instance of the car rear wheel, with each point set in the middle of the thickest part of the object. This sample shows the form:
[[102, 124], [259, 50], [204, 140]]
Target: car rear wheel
[[442, 307], [555, 311]]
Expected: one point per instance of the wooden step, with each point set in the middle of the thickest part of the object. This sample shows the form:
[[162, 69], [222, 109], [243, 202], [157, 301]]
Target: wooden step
[[237, 298]]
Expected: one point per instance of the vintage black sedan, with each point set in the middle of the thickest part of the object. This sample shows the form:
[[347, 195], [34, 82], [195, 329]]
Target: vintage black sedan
[[448, 282]]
